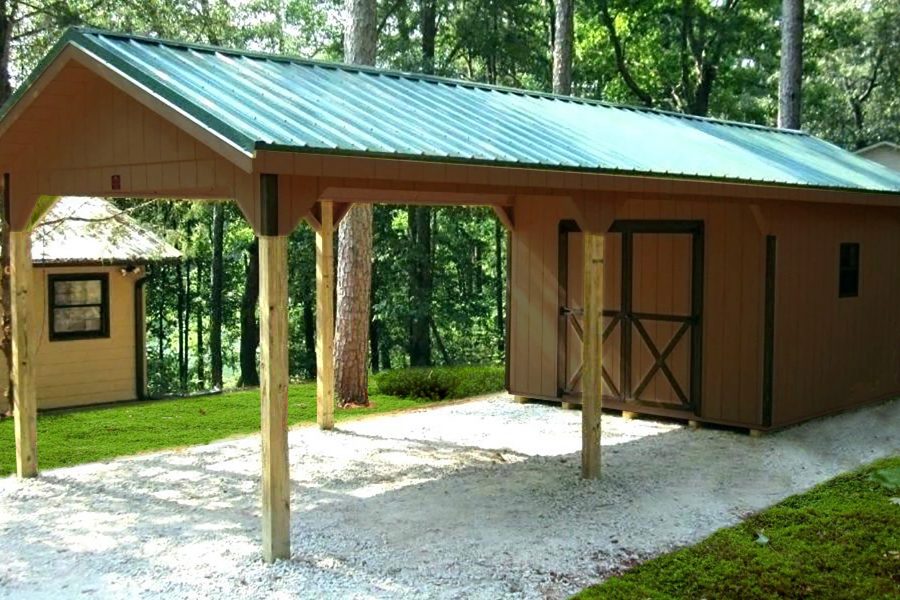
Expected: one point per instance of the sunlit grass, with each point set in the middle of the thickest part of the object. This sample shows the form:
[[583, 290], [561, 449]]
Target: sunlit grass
[[92, 434]]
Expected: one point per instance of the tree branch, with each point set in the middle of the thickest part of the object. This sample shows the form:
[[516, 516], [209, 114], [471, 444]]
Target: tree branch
[[621, 62]]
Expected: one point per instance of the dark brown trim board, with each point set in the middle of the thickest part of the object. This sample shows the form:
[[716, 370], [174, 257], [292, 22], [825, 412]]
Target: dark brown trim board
[[769, 331], [140, 342], [268, 204]]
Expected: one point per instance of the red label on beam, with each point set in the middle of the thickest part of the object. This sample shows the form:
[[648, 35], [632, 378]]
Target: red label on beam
[[116, 182]]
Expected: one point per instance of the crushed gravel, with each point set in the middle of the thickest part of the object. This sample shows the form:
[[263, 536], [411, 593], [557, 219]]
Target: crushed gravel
[[474, 500]]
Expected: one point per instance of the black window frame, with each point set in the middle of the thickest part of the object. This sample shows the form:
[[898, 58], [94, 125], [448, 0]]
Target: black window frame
[[103, 332], [848, 269]]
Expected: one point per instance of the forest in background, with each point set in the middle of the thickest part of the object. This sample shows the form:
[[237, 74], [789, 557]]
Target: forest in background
[[438, 274]]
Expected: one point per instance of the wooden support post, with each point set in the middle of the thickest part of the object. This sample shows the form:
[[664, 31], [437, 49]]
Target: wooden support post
[[23, 368], [273, 391], [325, 317], [591, 403]]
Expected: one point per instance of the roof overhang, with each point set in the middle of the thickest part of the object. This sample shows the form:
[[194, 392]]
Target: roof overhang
[[70, 51]]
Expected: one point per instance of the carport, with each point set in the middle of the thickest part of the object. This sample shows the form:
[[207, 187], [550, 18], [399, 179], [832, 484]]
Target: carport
[[289, 140]]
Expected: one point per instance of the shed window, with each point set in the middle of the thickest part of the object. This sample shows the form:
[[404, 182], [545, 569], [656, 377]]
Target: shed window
[[848, 279], [79, 306]]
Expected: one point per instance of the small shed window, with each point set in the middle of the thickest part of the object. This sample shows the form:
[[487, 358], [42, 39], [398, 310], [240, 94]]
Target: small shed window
[[79, 306], [848, 279]]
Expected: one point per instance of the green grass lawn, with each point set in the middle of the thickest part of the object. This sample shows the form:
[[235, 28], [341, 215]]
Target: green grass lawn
[[86, 435], [839, 540]]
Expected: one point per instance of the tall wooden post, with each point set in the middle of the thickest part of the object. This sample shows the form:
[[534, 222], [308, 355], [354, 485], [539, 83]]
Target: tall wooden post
[[591, 356], [23, 371], [325, 317], [273, 388], [273, 321]]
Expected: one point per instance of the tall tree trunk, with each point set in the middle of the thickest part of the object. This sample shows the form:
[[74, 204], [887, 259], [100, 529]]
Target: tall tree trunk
[[182, 368], [201, 355], [161, 335], [249, 324], [420, 286], [6, 31], [563, 40], [500, 286], [354, 281], [791, 80], [6, 406], [354, 273], [373, 344], [215, 302], [361, 36], [188, 303], [429, 34], [309, 338]]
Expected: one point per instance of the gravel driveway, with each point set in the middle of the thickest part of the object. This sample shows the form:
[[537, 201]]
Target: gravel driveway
[[474, 500]]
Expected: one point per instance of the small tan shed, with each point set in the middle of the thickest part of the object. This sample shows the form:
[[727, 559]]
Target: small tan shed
[[90, 264]]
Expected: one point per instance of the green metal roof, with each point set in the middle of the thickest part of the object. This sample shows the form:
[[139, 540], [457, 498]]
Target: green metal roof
[[260, 101]]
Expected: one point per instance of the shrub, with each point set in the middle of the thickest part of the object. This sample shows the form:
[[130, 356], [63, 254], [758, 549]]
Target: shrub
[[441, 383]]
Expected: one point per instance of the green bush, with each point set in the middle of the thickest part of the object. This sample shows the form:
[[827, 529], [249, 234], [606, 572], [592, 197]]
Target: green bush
[[441, 383]]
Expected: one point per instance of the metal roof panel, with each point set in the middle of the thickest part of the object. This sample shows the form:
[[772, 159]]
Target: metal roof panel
[[266, 101]]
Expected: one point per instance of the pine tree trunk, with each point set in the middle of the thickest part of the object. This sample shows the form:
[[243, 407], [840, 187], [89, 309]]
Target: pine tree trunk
[[563, 38], [182, 369], [420, 286], [373, 345], [5, 320], [361, 41], [249, 324], [215, 301], [309, 338], [500, 286], [201, 362], [6, 406], [791, 80], [354, 281], [354, 272], [188, 303]]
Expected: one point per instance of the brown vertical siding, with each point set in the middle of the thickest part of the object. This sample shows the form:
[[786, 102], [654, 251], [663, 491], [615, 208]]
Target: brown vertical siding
[[834, 353], [733, 298]]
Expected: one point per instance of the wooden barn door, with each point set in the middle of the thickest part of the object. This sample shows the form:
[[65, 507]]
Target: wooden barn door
[[571, 313], [653, 296], [661, 313]]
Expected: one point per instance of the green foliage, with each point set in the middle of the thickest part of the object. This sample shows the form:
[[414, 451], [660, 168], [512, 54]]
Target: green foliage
[[852, 71], [888, 478], [73, 437], [839, 540], [441, 383]]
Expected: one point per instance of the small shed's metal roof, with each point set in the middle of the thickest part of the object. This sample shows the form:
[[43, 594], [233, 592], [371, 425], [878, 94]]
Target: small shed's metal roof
[[259, 101], [78, 230]]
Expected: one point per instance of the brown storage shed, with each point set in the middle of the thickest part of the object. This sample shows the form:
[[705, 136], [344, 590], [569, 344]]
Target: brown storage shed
[[715, 310], [738, 274]]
